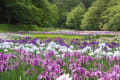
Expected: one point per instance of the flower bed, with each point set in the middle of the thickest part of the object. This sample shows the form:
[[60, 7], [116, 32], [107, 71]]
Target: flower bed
[[33, 59]]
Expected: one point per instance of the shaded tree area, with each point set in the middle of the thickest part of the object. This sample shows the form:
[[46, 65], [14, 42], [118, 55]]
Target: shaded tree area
[[38, 12], [4, 14]]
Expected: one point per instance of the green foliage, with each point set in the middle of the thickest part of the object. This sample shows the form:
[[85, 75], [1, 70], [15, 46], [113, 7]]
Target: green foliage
[[39, 12], [51, 17], [87, 3], [92, 19], [75, 16], [114, 23], [110, 16], [64, 7], [27, 14]]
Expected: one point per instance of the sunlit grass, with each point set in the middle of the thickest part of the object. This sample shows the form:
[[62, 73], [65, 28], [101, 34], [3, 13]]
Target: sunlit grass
[[64, 36]]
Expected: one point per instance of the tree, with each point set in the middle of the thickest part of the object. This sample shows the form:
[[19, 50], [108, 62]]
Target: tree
[[75, 16], [113, 24], [92, 18], [110, 15]]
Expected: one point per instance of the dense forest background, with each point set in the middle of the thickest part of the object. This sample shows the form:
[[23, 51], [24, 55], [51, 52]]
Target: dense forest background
[[72, 14]]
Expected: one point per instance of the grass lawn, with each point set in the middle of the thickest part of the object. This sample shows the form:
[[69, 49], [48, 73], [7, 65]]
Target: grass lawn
[[15, 28], [20, 27], [64, 36]]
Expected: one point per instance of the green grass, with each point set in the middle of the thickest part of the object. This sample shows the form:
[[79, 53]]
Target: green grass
[[107, 35], [21, 27], [14, 28], [64, 36]]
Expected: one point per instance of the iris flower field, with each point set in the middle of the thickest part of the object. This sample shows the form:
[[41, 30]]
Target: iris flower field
[[72, 56]]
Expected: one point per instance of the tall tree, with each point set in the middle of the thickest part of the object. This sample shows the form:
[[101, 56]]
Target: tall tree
[[110, 15], [75, 16], [92, 18], [113, 24]]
